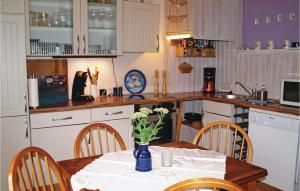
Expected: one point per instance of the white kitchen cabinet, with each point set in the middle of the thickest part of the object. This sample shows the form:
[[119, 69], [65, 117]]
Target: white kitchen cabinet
[[13, 84], [67, 27], [124, 128], [57, 141], [119, 118], [216, 111], [141, 27], [14, 136], [218, 20], [56, 132], [12, 6], [210, 19]]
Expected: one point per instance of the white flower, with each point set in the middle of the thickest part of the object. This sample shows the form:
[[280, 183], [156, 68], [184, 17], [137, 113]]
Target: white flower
[[145, 110], [162, 110], [138, 115]]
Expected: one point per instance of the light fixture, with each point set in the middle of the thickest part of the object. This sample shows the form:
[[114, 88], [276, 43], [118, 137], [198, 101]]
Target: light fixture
[[175, 7], [178, 36]]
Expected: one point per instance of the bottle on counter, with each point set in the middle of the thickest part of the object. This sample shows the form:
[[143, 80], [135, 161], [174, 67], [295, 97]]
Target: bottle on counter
[[263, 94]]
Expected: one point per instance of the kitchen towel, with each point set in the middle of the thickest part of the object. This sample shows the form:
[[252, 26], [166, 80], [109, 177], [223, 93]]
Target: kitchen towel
[[116, 171], [33, 89]]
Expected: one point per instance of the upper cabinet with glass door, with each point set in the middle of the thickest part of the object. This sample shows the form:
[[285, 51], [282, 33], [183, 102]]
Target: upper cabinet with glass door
[[51, 28], [99, 24], [74, 28]]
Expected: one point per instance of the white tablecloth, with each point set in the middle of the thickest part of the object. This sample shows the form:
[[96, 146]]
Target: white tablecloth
[[116, 171]]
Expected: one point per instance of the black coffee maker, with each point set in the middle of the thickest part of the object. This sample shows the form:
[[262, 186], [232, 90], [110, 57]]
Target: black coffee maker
[[78, 87], [209, 80]]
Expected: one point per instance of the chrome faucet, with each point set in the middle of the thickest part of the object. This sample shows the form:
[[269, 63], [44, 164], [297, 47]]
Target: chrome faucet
[[250, 93]]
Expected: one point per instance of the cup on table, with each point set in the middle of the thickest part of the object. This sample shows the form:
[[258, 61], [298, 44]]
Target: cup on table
[[257, 45], [286, 44], [270, 44], [166, 158]]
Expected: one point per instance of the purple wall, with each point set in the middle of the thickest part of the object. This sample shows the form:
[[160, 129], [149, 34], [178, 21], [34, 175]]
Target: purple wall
[[277, 31]]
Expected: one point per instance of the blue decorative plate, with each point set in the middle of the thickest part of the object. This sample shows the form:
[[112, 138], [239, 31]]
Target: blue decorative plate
[[135, 81]]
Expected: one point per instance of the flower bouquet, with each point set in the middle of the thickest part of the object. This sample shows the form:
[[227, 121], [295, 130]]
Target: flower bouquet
[[146, 131]]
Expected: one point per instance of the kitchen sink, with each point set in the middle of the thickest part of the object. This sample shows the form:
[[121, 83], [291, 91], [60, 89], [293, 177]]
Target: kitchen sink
[[232, 96]]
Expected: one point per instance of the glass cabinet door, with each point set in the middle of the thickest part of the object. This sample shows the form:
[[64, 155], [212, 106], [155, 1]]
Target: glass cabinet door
[[51, 27], [101, 29]]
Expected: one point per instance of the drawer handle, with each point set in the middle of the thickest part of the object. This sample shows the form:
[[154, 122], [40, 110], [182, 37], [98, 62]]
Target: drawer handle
[[62, 119], [84, 46], [157, 37], [113, 113], [26, 125], [78, 44]]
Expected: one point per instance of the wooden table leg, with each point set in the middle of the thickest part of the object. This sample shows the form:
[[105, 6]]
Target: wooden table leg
[[179, 119]]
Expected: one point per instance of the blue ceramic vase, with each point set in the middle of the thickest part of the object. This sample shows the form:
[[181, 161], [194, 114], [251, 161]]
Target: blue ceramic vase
[[143, 158]]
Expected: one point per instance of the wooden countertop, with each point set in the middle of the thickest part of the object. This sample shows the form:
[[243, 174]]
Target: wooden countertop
[[109, 101]]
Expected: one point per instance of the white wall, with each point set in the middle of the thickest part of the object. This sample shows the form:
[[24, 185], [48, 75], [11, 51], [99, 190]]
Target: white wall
[[255, 68], [145, 62], [252, 68]]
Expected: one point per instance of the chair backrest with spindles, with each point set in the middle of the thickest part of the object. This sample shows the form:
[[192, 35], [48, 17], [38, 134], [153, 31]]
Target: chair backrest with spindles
[[204, 183], [34, 169], [96, 139], [227, 138]]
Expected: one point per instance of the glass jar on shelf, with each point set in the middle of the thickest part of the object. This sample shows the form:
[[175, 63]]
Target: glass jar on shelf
[[43, 19], [62, 17], [33, 18], [55, 19]]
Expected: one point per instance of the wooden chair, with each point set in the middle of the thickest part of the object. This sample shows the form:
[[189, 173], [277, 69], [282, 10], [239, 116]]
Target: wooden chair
[[87, 145], [224, 142], [34, 169], [204, 183]]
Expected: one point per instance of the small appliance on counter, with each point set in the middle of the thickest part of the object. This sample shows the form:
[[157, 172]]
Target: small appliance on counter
[[52, 90], [290, 92], [79, 83], [209, 80]]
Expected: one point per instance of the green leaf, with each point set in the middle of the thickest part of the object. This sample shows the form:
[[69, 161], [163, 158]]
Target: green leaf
[[154, 138]]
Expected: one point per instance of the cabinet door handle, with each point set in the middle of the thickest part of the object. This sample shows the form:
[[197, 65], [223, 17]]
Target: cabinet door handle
[[26, 125], [78, 40], [62, 119], [25, 102], [157, 37], [114, 113], [84, 44]]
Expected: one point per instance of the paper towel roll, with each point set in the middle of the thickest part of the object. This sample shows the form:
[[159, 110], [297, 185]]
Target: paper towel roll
[[33, 89]]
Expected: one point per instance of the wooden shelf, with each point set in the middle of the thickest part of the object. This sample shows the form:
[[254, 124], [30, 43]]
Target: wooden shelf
[[194, 124], [51, 28]]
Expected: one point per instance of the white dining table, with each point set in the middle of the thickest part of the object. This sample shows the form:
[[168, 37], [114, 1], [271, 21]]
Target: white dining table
[[116, 171]]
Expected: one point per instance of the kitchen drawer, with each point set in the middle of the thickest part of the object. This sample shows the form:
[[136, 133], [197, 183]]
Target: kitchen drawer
[[53, 119], [111, 113], [218, 108]]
